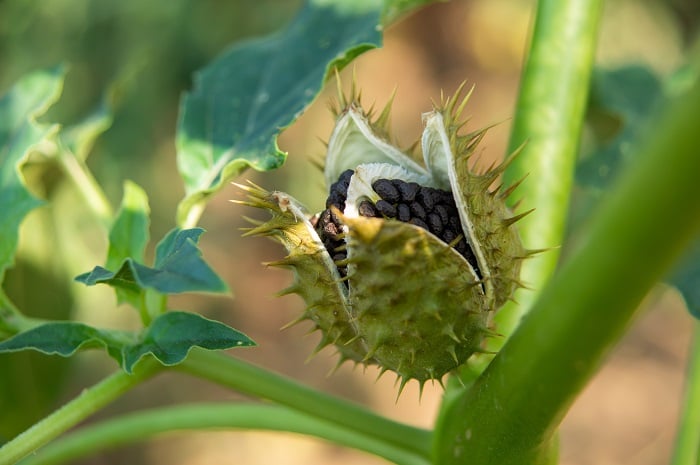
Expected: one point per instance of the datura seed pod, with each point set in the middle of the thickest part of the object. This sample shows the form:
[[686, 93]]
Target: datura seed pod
[[409, 260]]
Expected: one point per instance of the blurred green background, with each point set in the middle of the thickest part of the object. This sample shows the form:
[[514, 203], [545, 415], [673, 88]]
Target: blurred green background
[[143, 55]]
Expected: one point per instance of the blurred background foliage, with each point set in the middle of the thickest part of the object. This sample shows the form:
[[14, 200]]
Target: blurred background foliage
[[141, 57]]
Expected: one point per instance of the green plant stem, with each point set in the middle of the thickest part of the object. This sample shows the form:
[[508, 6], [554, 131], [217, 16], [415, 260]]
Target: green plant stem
[[264, 384], [687, 449], [143, 425], [188, 214], [89, 401], [87, 185], [549, 118], [645, 224]]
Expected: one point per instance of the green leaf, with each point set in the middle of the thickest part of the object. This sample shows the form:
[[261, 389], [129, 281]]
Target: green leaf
[[64, 338], [240, 102], [129, 233], [178, 268], [169, 338], [128, 236], [686, 278], [621, 102], [19, 133]]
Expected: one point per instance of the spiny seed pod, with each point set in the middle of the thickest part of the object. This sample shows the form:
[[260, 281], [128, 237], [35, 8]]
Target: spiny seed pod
[[407, 263]]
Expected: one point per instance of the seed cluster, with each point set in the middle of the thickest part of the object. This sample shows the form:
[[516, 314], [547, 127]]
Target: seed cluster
[[429, 208], [328, 226], [426, 207]]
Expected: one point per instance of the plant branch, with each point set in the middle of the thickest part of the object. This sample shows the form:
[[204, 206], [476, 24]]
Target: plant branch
[[645, 224], [258, 382], [143, 425], [549, 118], [88, 402], [687, 450]]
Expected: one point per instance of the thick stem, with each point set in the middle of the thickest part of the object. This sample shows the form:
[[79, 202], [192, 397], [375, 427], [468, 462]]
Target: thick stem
[[645, 224], [143, 425], [263, 384], [687, 450], [549, 118], [88, 402]]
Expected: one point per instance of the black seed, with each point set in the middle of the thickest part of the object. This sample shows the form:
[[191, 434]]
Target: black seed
[[419, 222], [448, 236], [386, 209], [446, 197], [328, 226], [441, 210], [461, 246], [336, 199], [385, 189], [367, 208], [324, 218], [408, 190], [418, 210], [342, 187], [428, 197], [403, 212], [455, 224], [339, 188], [331, 229], [435, 223], [345, 176]]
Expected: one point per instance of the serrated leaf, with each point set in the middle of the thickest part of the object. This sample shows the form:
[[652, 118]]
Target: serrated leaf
[[178, 268], [19, 133], [240, 102], [169, 338]]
